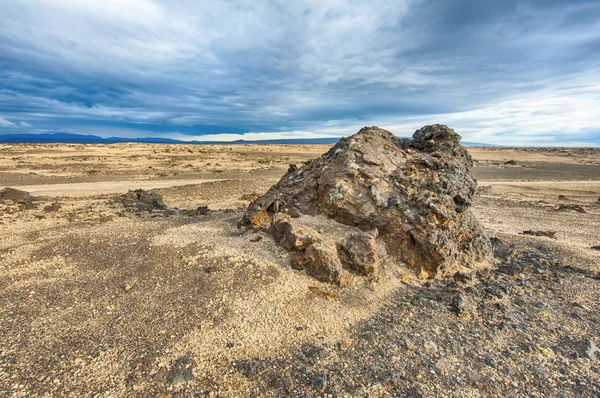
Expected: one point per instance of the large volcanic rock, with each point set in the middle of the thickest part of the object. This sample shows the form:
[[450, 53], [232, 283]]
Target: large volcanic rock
[[414, 195]]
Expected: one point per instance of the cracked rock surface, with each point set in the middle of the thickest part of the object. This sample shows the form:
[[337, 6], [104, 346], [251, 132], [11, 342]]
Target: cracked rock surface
[[412, 195]]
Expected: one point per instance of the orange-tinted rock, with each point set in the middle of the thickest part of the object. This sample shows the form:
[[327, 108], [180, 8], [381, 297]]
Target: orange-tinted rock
[[359, 252]]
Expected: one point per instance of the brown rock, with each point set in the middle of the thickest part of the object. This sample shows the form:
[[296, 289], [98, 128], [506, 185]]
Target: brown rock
[[416, 193], [569, 206], [290, 235], [322, 262], [15, 195], [547, 234], [53, 207], [359, 252], [143, 200]]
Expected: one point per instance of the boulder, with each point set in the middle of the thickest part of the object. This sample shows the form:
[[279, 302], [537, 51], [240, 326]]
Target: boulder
[[415, 193], [143, 200], [15, 195]]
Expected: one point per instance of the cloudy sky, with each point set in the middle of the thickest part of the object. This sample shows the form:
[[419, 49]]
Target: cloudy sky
[[502, 72]]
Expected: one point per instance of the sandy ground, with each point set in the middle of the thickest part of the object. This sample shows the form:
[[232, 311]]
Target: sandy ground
[[100, 300]]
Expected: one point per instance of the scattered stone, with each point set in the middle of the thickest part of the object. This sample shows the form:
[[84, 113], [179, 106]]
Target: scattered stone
[[547, 234], [143, 200], [182, 369], [319, 384], [255, 238], [431, 347], [250, 367], [16, 196], [484, 189], [202, 211], [595, 247], [562, 197], [463, 305], [416, 193], [250, 196], [320, 292], [565, 207], [442, 366], [511, 162], [591, 350], [53, 207]]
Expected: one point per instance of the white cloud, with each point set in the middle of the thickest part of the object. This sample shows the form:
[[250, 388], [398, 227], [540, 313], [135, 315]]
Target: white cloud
[[6, 123], [518, 75]]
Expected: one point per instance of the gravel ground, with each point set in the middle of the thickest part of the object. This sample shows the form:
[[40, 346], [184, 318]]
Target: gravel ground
[[100, 299]]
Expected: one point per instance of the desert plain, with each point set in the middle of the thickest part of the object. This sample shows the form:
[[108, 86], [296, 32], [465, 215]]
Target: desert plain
[[102, 299]]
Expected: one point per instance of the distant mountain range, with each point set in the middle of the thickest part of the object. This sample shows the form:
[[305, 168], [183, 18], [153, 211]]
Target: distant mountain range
[[67, 138]]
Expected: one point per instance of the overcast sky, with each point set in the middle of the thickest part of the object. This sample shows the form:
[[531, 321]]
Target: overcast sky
[[500, 72]]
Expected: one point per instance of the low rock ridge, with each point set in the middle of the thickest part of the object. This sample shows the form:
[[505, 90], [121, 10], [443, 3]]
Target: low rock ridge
[[411, 195]]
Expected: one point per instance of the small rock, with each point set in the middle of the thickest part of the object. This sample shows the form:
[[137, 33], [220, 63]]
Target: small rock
[[319, 384], [202, 210], [547, 234], [318, 291], [463, 305], [250, 367], [595, 247], [143, 200], [53, 207], [570, 206], [591, 350], [484, 189], [431, 347], [255, 238], [442, 366], [178, 379], [511, 162]]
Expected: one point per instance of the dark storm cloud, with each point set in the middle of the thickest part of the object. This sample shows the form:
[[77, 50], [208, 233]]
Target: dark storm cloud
[[514, 72]]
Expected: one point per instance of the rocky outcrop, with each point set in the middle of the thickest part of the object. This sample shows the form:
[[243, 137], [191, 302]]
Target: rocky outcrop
[[15, 195], [415, 193]]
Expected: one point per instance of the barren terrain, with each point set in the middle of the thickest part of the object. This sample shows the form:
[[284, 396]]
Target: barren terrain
[[100, 299]]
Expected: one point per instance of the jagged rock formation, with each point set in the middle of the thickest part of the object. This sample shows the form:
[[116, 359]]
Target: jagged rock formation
[[414, 195]]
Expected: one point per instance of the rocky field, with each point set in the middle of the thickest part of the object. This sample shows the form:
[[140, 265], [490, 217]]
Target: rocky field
[[158, 293]]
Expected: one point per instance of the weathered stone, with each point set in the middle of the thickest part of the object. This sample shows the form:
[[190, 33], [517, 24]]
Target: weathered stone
[[547, 234], [359, 252], [289, 235], [416, 193], [463, 305], [143, 200], [321, 261], [15, 195], [260, 220]]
